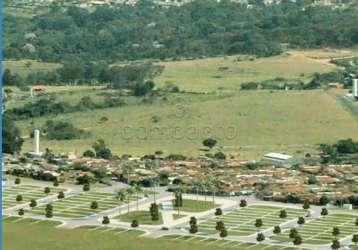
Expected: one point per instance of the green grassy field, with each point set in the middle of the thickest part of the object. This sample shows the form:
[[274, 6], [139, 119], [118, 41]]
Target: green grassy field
[[80, 205], [143, 217], [227, 73], [25, 233], [28, 192], [248, 122], [195, 206], [24, 67], [320, 231], [242, 222]]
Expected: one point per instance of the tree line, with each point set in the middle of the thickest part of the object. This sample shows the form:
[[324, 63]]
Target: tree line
[[200, 28]]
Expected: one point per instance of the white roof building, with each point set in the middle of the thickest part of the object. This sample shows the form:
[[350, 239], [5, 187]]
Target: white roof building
[[280, 159]]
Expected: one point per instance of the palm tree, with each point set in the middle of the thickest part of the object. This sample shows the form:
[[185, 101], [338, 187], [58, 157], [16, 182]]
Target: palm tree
[[121, 195], [130, 192], [128, 167], [196, 186], [137, 189], [213, 184], [155, 181]]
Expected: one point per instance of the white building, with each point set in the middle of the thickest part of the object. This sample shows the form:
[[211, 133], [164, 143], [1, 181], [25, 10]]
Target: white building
[[281, 159]]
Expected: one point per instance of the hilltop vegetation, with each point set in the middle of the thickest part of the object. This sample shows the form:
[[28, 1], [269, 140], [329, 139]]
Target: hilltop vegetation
[[200, 28]]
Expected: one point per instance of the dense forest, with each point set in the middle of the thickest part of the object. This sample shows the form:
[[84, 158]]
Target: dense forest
[[201, 28]]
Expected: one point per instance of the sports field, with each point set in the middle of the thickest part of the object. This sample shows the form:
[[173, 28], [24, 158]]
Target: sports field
[[28, 192], [242, 221], [320, 231], [80, 205]]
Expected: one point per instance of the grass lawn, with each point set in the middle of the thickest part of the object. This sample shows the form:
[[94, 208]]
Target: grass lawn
[[45, 237], [143, 217], [242, 221], [195, 205], [319, 231]]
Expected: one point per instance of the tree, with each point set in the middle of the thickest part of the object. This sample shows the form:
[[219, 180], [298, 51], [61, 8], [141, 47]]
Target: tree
[[11, 137], [323, 200], [324, 211], [121, 195], [33, 203], [134, 223], [218, 212], [47, 190], [193, 228], [335, 244], [277, 230], [260, 237], [21, 212], [356, 222], [89, 153], [94, 205], [17, 181], [49, 213], [209, 142], [258, 223], [19, 198], [105, 220], [86, 187], [220, 156], [154, 212], [130, 192], [306, 205], [243, 203], [193, 221], [301, 221], [335, 231], [137, 189], [355, 239], [61, 195], [283, 214], [297, 240], [223, 233], [56, 183], [293, 233], [101, 150], [219, 225]]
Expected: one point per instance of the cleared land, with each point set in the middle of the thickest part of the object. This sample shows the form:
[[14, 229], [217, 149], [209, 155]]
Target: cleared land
[[80, 205], [24, 67], [28, 192], [249, 121], [143, 217], [242, 221], [227, 73], [320, 231], [43, 236]]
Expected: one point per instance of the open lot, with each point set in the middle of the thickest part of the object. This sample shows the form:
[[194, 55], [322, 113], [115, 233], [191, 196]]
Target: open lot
[[249, 122], [320, 231], [227, 73], [28, 193], [24, 67], [80, 205], [242, 221]]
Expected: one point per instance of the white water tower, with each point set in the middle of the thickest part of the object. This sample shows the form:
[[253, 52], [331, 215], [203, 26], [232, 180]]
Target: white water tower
[[355, 88], [36, 145]]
